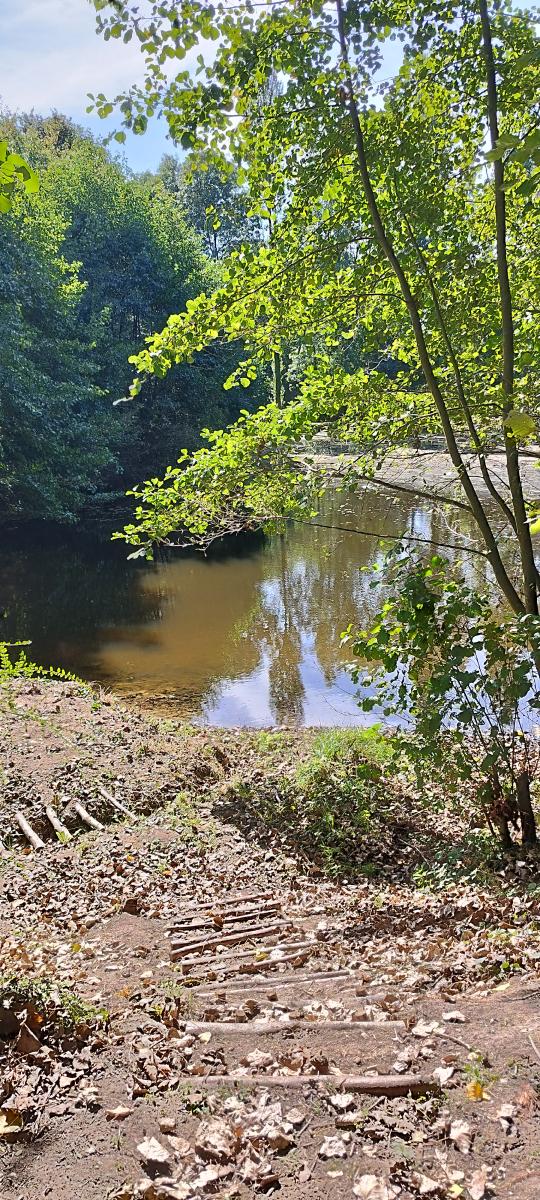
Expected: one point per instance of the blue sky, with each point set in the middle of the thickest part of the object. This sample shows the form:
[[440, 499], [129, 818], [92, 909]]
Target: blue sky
[[51, 59]]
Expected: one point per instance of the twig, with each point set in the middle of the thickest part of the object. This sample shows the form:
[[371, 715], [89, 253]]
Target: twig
[[30, 833], [263, 1027], [56, 823], [534, 1046], [371, 1085], [92, 822], [179, 949]]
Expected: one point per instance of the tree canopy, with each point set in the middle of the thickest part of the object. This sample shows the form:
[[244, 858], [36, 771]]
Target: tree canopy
[[402, 208], [90, 265]]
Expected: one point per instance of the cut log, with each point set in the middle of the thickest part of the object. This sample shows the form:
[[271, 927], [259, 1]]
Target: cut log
[[370, 1085], [115, 803], [232, 956], [240, 898], [56, 823], [180, 949], [232, 969], [270, 964], [227, 918], [85, 816], [29, 833], [264, 1027], [231, 962], [290, 981]]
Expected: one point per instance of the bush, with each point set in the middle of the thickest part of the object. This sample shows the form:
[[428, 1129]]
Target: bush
[[465, 678]]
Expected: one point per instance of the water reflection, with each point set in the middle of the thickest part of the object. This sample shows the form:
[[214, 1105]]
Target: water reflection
[[247, 637]]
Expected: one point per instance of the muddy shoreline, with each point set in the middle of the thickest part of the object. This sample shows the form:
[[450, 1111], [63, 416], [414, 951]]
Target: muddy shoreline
[[432, 470]]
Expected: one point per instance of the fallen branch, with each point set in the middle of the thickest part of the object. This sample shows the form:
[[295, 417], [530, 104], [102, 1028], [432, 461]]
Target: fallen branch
[[232, 956], [241, 898], [85, 816], [449, 1037], [229, 918], [264, 1027], [56, 823], [534, 1046], [291, 981], [180, 949], [264, 964], [115, 803], [30, 833], [371, 1085]]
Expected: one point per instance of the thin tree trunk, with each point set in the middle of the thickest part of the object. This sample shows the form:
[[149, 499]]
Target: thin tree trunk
[[508, 353], [525, 808], [277, 385], [387, 248], [475, 437], [497, 812]]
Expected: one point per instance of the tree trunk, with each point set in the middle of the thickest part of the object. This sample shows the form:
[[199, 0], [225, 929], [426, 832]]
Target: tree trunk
[[507, 323], [497, 813], [525, 808], [386, 245]]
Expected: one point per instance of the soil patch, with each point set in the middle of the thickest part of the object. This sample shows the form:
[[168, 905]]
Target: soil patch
[[191, 1005]]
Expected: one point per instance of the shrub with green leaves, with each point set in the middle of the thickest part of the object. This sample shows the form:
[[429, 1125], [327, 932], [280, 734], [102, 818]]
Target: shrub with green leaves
[[13, 667], [463, 680]]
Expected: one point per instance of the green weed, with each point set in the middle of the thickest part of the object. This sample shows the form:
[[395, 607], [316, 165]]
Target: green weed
[[57, 1005]]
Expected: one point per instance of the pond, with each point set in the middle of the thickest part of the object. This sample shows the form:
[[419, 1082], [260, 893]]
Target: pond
[[248, 636]]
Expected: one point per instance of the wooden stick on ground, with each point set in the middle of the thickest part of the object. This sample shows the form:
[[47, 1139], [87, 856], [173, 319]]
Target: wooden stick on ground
[[225, 901], [232, 956], [85, 816], [30, 833], [271, 985], [180, 949], [264, 1027], [209, 922], [370, 1085], [230, 968], [56, 823], [115, 803]]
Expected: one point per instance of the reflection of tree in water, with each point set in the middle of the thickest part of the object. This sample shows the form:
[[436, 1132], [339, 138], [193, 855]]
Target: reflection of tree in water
[[60, 594], [323, 583], [172, 628], [283, 636]]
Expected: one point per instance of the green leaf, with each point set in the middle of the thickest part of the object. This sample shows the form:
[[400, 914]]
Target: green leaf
[[520, 425]]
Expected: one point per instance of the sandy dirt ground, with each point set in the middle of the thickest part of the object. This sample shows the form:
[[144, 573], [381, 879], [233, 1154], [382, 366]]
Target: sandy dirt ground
[[191, 1006]]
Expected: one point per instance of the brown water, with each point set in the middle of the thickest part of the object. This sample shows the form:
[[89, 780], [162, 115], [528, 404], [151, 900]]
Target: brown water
[[247, 637]]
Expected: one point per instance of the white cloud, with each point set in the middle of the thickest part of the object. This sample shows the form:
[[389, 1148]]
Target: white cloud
[[52, 56]]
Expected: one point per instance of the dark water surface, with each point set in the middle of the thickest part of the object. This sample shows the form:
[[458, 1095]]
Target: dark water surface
[[247, 637]]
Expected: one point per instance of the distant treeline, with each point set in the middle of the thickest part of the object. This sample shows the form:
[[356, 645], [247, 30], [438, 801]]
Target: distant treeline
[[88, 268]]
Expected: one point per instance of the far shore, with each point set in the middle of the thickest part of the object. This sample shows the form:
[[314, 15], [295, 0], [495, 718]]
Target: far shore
[[431, 470]]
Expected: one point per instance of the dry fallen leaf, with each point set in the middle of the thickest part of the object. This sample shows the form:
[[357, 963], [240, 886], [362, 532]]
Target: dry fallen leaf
[[423, 1029], [118, 1114], [216, 1140], [505, 1115], [295, 1117], [478, 1183], [153, 1152], [460, 1134], [527, 1096], [453, 1015], [443, 1074], [374, 1187], [10, 1121], [180, 1145], [424, 1184], [476, 1090], [342, 1101], [333, 1147]]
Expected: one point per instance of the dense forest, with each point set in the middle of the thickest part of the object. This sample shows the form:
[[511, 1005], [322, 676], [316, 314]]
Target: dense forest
[[89, 267]]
